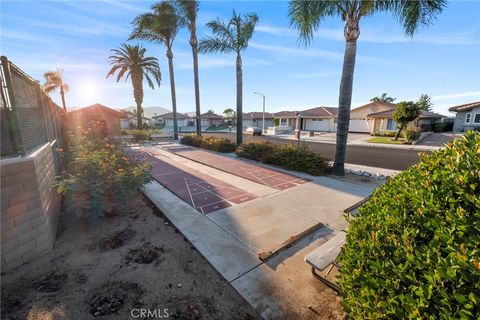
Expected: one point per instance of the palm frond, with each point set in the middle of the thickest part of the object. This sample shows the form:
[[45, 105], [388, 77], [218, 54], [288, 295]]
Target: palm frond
[[216, 45], [305, 16]]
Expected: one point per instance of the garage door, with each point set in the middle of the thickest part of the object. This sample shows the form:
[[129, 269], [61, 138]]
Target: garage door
[[357, 125], [317, 124]]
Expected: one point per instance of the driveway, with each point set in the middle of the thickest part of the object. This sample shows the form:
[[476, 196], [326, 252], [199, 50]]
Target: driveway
[[439, 139]]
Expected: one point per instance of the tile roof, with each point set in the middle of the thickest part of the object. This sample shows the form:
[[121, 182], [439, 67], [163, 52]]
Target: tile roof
[[389, 114], [286, 114], [257, 115], [465, 107], [180, 116], [98, 106], [320, 112], [210, 115], [387, 104]]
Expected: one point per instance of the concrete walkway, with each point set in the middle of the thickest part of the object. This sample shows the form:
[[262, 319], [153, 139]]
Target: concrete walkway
[[231, 238]]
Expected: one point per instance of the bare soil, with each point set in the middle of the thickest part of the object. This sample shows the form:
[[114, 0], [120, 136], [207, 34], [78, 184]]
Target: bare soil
[[105, 268]]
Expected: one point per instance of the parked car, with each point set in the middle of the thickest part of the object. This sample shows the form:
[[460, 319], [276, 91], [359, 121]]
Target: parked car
[[254, 131]]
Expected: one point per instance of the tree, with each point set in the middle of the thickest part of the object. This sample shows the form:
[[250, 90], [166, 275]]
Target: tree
[[232, 37], [306, 17], [383, 98], [406, 112], [229, 114], [53, 81], [425, 102], [210, 111], [131, 62], [161, 26], [188, 10]]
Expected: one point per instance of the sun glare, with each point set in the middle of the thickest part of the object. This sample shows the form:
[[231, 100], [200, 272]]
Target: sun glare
[[88, 90]]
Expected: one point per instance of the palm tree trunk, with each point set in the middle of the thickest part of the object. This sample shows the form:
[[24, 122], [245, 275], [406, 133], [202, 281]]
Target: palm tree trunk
[[194, 44], [172, 91], [345, 100], [62, 94], [239, 101], [137, 84]]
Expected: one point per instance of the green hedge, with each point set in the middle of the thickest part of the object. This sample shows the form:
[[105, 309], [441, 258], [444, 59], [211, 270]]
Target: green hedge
[[287, 156], [413, 252], [412, 133], [211, 143]]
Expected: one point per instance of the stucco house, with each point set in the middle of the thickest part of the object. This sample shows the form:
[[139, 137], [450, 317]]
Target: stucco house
[[383, 120], [359, 122], [315, 119], [255, 119], [210, 119], [467, 116], [104, 117], [287, 119]]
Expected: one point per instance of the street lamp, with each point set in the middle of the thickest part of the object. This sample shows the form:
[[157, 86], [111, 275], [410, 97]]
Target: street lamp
[[263, 116]]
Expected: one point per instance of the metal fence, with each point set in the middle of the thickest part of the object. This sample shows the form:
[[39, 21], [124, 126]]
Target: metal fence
[[29, 117]]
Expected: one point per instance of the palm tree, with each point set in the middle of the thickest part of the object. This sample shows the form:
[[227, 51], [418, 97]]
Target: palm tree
[[187, 10], [131, 62], [306, 17], [161, 26], [383, 98], [53, 81], [232, 37]]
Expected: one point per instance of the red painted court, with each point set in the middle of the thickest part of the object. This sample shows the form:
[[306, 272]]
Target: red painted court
[[204, 193], [268, 177]]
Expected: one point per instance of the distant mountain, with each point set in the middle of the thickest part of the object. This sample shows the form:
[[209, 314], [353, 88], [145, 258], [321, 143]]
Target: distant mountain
[[149, 112]]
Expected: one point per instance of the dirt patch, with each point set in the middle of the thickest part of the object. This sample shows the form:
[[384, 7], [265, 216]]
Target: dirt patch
[[101, 283], [117, 239], [146, 254], [112, 296], [52, 283]]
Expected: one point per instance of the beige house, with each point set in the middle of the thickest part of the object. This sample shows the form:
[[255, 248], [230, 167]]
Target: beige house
[[315, 119], [358, 116], [383, 120]]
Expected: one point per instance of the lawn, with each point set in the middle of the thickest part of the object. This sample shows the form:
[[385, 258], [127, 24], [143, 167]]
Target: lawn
[[388, 140]]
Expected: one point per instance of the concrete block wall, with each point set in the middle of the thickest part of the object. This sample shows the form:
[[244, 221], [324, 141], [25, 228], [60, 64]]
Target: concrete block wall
[[30, 207]]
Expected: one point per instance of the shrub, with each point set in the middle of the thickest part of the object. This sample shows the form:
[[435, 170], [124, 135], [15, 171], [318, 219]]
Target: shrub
[[257, 150], [100, 179], [211, 143], [191, 140], [286, 156], [442, 127], [386, 133], [412, 133], [413, 251]]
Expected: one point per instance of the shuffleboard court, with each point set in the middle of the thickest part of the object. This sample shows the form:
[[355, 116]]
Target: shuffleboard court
[[205, 193], [268, 177]]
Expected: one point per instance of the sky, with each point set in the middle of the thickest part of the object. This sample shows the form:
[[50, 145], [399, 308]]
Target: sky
[[441, 60]]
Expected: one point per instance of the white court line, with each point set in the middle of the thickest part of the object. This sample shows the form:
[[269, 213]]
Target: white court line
[[278, 178], [258, 178], [190, 194], [216, 194]]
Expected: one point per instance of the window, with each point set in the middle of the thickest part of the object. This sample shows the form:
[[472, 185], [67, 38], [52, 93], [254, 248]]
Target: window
[[468, 117], [476, 118], [283, 122]]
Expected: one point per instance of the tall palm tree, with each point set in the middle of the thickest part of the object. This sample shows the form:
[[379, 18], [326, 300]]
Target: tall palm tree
[[232, 37], [161, 26], [131, 62], [306, 17], [53, 81], [383, 98], [187, 10]]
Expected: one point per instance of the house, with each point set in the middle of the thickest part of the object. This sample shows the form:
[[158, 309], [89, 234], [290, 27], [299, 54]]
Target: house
[[467, 116], [158, 121], [255, 119], [130, 120], [383, 120], [98, 115], [210, 119], [287, 119], [358, 116], [319, 119], [182, 120], [315, 119]]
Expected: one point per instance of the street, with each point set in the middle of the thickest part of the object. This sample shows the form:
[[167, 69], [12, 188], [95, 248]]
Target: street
[[395, 159]]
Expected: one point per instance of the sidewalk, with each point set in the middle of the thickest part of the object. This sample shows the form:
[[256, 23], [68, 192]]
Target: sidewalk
[[232, 238]]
